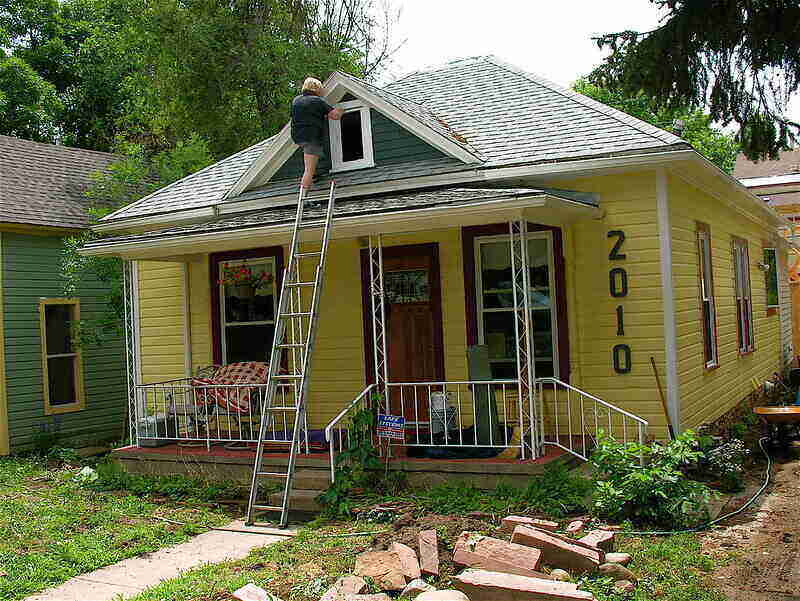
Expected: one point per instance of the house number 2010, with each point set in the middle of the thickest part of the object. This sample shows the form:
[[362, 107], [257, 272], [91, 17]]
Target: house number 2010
[[618, 288]]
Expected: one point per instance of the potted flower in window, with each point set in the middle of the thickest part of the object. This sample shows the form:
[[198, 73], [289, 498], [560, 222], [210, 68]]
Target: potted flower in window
[[243, 281]]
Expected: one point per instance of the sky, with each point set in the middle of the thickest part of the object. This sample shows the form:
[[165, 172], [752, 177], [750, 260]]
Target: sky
[[549, 37]]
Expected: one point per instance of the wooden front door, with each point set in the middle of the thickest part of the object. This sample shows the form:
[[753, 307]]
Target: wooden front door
[[413, 323]]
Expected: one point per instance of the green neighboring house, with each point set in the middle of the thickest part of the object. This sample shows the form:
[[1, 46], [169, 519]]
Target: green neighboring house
[[51, 390]]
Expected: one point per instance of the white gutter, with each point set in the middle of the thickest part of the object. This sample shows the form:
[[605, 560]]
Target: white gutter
[[476, 176], [668, 299], [357, 225], [771, 180]]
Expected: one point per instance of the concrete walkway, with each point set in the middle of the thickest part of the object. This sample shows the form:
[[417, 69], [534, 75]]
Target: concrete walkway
[[130, 577]]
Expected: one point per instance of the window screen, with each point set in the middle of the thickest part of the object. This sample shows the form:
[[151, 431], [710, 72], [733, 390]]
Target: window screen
[[59, 353]]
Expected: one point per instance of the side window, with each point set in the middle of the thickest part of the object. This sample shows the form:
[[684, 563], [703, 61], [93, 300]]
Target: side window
[[707, 301], [771, 276], [62, 367], [351, 138], [744, 303]]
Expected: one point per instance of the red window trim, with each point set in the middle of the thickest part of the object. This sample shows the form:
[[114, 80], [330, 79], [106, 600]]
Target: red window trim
[[750, 343], [468, 235], [214, 260]]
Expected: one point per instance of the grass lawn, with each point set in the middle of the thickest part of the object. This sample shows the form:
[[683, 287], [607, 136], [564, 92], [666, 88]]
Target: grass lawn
[[301, 569], [52, 528]]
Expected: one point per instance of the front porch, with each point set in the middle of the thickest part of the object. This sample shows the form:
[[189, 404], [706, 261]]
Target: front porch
[[460, 328]]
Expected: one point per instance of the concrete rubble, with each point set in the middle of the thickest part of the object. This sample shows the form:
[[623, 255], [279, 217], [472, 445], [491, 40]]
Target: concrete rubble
[[346, 585], [408, 560], [559, 552], [429, 552], [384, 567], [417, 587], [602, 539], [482, 585], [478, 551]]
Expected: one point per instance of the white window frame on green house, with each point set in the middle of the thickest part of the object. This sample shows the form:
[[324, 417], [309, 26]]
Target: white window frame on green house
[[553, 308], [51, 406], [338, 163], [224, 324]]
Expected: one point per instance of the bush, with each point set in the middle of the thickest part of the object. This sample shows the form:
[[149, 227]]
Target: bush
[[726, 462], [653, 492]]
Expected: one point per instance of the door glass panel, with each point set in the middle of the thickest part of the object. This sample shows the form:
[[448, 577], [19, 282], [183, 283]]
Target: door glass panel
[[408, 286]]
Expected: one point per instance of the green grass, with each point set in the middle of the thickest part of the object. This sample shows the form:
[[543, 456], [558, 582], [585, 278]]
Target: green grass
[[52, 528], [670, 568], [297, 569]]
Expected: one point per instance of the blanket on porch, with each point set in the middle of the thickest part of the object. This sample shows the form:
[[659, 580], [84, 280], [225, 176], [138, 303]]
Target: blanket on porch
[[224, 389]]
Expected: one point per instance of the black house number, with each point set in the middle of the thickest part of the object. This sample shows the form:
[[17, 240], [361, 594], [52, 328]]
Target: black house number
[[618, 288]]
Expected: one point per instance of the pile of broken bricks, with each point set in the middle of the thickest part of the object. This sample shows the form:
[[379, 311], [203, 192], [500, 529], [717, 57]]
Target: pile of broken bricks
[[494, 569]]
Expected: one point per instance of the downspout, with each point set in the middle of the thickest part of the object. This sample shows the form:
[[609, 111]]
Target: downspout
[[668, 299]]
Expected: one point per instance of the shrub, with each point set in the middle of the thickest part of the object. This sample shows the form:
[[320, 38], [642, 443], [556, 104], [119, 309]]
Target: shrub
[[726, 462], [646, 484]]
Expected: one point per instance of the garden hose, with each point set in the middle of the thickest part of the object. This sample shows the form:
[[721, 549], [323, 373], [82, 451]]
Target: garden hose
[[701, 527]]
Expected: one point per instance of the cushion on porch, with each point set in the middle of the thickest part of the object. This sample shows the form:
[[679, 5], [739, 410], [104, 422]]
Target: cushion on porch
[[233, 400]]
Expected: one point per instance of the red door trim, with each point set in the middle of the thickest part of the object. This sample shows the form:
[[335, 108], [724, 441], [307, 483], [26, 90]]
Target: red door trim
[[430, 249], [468, 235], [213, 269]]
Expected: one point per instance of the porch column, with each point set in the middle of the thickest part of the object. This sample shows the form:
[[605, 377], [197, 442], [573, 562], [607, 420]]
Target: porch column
[[130, 281], [378, 318], [530, 427]]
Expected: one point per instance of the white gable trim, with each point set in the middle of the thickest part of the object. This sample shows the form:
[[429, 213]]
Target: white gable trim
[[336, 86]]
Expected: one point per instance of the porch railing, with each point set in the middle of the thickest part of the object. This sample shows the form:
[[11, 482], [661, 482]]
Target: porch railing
[[573, 420], [185, 411], [337, 432]]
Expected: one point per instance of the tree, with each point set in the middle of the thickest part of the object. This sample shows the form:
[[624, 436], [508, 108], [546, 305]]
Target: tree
[[738, 58], [29, 105], [135, 175], [694, 126], [228, 70]]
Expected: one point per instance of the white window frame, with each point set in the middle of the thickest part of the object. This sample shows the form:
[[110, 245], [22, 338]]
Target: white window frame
[[223, 323], [707, 294], [552, 286], [80, 402], [743, 295], [335, 127]]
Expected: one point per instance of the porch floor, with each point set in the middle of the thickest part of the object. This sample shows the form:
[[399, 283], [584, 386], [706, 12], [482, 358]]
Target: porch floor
[[313, 470]]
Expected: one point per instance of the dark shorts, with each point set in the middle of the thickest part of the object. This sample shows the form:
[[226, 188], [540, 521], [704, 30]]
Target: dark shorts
[[314, 148]]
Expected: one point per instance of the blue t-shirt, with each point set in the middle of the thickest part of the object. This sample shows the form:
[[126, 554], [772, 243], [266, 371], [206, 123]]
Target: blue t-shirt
[[308, 118]]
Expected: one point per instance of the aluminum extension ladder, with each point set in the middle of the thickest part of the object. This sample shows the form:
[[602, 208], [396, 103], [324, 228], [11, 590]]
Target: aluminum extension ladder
[[295, 332]]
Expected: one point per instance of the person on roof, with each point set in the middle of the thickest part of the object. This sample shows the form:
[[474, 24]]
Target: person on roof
[[308, 126]]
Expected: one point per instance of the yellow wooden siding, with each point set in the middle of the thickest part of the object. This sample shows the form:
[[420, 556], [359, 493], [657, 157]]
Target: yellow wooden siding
[[629, 204], [785, 308], [161, 320], [200, 307], [707, 394]]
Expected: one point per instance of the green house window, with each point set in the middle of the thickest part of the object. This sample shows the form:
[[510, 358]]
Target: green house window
[[62, 369]]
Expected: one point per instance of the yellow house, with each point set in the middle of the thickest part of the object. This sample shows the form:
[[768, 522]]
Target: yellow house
[[495, 237]]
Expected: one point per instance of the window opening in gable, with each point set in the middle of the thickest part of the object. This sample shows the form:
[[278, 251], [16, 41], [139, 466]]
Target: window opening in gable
[[352, 142]]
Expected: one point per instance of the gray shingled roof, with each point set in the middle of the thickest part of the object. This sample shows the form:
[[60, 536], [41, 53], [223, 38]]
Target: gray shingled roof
[[346, 207], [501, 114], [44, 184]]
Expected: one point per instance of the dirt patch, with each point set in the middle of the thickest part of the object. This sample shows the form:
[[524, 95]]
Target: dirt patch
[[766, 544]]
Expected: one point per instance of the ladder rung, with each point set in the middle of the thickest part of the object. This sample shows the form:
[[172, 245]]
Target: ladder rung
[[296, 314], [292, 345], [272, 474], [298, 284], [267, 508], [282, 408], [315, 253], [288, 376], [311, 225]]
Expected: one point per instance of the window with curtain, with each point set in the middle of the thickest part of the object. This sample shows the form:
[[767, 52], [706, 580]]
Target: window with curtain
[[248, 294], [61, 359], [744, 303], [708, 304], [495, 304]]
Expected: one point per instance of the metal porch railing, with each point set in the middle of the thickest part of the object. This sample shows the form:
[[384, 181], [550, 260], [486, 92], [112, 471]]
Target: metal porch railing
[[184, 411], [573, 420]]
